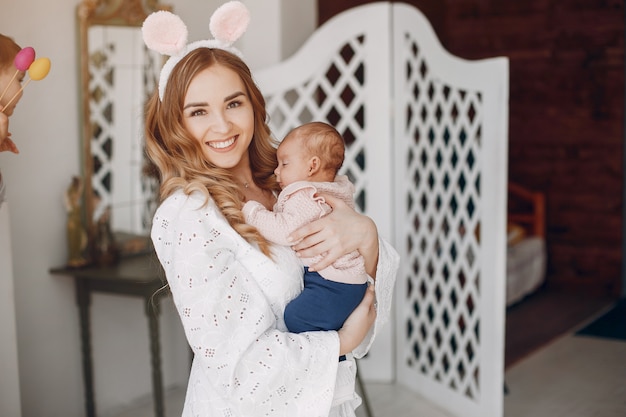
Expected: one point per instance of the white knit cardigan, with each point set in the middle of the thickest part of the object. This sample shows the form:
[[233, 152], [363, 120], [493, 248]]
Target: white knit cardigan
[[231, 298]]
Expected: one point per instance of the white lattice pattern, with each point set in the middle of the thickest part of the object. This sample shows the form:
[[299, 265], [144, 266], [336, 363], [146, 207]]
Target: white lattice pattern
[[450, 139], [334, 94], [341, 75], [443, 202], [152, 64], [118, 93], [102, 77]]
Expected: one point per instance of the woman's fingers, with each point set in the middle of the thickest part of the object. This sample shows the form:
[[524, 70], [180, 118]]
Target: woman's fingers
[[357, 325], [339, 233], [324, 236]]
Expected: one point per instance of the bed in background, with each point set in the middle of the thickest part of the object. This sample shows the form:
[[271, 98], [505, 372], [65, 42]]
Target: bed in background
[[526, 245]]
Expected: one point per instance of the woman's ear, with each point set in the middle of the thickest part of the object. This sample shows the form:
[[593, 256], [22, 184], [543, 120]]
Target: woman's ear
[[314, 165]]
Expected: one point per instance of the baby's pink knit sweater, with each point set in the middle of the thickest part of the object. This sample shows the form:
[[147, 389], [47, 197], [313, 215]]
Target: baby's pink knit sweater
[[297, 205]]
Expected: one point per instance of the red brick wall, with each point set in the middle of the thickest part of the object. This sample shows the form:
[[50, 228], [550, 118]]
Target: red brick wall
[[566, 130]]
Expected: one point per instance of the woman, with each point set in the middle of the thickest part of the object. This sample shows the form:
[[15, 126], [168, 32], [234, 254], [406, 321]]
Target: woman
[[207, 135]]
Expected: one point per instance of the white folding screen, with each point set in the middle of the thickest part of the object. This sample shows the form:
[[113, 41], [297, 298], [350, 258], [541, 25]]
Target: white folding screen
[[450, 140], [427, 150], [341, 75]]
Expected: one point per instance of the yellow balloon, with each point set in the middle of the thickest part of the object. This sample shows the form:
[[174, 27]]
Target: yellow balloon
[[39, 69]]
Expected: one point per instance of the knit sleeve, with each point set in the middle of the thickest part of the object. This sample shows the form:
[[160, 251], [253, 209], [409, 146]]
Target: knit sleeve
[[386, 272], [240, 356], [292, 212]]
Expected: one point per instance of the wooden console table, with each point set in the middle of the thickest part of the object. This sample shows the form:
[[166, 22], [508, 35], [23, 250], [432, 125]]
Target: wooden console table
[[140, 276]]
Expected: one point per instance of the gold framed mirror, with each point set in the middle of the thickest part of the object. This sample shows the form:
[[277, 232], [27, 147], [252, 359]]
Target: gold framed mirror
[[117, 75]]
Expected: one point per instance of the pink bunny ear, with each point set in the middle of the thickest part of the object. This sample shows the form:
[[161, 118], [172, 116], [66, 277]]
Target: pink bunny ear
[[164, 32], [229, 22]]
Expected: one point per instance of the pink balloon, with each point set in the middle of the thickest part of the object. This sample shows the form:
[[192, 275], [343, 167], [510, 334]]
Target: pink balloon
[[24, 58]]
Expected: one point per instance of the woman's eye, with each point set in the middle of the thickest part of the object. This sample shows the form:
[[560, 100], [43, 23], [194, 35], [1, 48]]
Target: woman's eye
[[233, 104], [198, 112]]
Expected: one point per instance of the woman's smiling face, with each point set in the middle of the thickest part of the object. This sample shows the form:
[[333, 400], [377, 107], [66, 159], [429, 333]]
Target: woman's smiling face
[[218, 113]]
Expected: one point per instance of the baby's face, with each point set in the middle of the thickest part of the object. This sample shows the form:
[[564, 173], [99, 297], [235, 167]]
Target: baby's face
[[12, 86], [293, 163]]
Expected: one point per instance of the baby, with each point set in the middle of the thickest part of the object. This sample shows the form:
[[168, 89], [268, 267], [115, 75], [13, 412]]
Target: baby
[[9, 86], [308, 161]]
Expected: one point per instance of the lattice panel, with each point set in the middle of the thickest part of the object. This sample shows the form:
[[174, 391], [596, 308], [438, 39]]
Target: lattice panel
[[443, 203], [334, 94], [149, 186], [450, 133], [123, 74], [341, 75], [427, 136], [102, 80]]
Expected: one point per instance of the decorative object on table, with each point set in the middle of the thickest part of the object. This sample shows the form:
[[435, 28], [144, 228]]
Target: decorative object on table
[[106, 251], [76, 234]]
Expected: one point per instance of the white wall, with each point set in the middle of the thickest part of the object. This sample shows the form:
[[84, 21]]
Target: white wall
[[277, 29], [45, 127], [10, 404]]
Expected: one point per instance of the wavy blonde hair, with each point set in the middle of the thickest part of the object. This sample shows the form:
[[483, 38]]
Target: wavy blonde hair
[[178, 159]]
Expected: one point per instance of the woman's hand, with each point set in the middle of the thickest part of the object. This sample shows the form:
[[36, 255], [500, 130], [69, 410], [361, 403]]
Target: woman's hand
[[336, 234], [358, 323]]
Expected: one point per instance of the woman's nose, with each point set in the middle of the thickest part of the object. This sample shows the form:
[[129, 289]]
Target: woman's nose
[[220, 123]]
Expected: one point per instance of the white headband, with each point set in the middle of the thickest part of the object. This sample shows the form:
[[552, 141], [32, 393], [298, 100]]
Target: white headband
[[165, 32]]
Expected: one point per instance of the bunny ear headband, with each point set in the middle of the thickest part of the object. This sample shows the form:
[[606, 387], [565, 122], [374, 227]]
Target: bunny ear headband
[[165, 32]]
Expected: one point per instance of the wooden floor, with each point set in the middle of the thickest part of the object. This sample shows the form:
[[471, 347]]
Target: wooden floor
[[545, 316]]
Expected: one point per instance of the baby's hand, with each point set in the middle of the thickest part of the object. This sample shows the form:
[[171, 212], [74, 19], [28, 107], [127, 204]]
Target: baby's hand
[[6, 144]]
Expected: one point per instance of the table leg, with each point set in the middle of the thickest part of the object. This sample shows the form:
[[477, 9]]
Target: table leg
[[152, 310], [83, 298]]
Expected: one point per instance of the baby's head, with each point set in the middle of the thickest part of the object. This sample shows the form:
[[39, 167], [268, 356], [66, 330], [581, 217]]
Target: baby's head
[[8, 51], [310, 152]]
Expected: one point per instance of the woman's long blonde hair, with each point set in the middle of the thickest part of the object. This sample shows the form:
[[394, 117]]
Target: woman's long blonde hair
[[178, 157]]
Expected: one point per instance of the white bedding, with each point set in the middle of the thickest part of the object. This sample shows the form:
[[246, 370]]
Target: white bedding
[[526, 268]]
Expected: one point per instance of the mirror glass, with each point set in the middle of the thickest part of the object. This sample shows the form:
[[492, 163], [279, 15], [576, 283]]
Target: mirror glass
[[118, 75]]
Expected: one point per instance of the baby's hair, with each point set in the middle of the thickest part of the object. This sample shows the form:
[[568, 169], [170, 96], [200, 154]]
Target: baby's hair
[[323, 140], [8, 50]]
